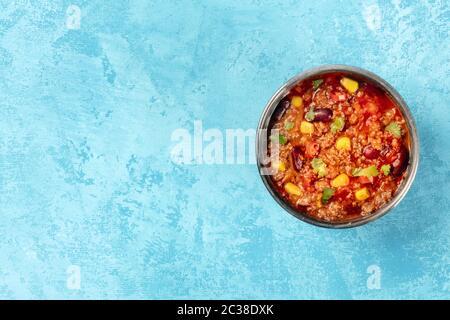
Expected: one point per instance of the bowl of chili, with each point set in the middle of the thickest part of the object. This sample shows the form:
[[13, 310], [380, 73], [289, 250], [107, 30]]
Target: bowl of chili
[[337, 146]]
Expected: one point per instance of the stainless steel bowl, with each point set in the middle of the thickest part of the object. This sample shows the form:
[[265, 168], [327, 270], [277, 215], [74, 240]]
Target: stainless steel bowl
[[356, 73]]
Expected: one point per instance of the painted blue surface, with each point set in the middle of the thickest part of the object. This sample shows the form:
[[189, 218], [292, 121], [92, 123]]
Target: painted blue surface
[[86, 178]]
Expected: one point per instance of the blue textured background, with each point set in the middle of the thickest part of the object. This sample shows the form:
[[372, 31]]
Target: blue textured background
[[85, 173]]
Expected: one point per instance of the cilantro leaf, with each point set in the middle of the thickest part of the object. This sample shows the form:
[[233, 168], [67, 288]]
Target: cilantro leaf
[[310, 115], [288, 125], [282, 139], [338, 124], [394, 129], [317, 83], [319, 167], [278, 138], [386, 168], [365, 172], [327, 194]]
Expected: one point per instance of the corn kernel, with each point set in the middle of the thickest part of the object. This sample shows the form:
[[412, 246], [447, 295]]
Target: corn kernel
[[319, 201], [343, 143], [297, 101], [306, 127], [362, 194], [292, 189], [340, 181], [349, 84], [279, 166]]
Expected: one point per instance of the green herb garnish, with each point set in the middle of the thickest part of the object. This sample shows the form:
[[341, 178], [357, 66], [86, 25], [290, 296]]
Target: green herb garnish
[[386, 168], [288, 125], [338, 124], [365, 172], [317, 83], [394, 129], [282, 139], [319, 167], [278, 138], [327, 194], [310, 115]]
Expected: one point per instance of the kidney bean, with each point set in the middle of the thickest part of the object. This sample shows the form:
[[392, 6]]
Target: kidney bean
[[352, 210], [323, 114], [370, 152], [296, 154], [282, 107], [401, 162], [385, 151], [389, 153]]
